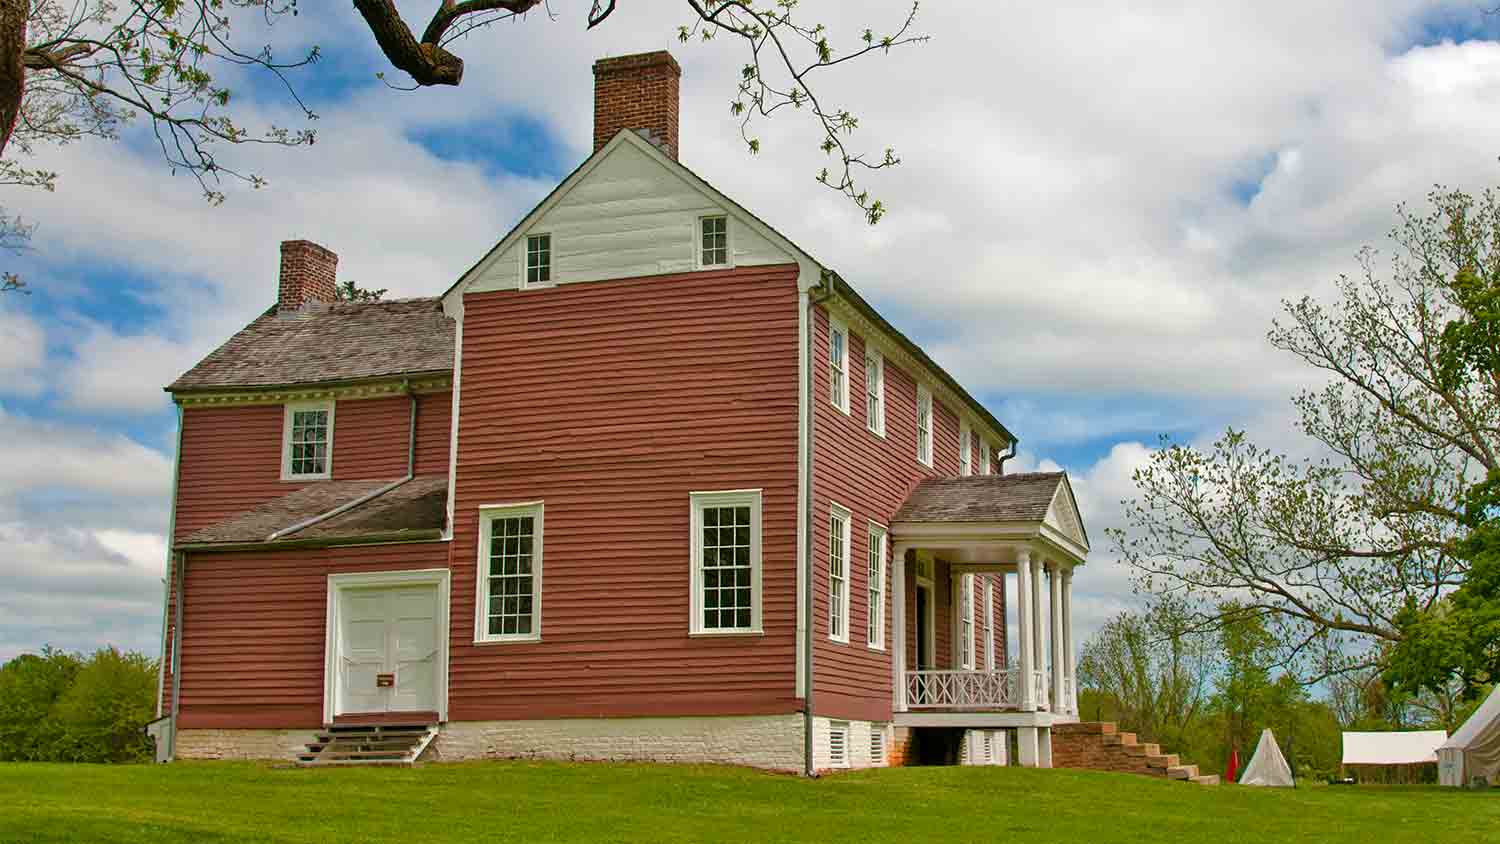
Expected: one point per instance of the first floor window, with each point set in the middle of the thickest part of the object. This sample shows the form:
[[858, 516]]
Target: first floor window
[[307, 442], [924, 426], [510, 572], [838, 574], [875, 578], [726, 562], [966, 621], [715, 242], [538, 259]]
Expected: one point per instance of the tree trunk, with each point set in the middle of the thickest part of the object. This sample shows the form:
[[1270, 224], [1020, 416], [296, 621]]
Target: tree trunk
[[428, 64], [12, 74]]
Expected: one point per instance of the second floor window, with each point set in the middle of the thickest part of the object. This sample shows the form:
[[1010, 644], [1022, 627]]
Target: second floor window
[[988, 623], [715, 249], [307, 441], [966, 622], [924, 426], [538, 259], [965, 458], [984, 457], [838, 365], [838, 574], [874, 390]]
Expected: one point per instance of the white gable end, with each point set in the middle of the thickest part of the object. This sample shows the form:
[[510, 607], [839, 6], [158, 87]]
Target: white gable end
[[629, 215], [1062, 516]]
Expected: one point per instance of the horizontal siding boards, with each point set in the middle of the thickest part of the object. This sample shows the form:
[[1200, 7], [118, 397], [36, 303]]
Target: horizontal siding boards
[[612, 402], [231, 456], [254, 631], [871, 476]]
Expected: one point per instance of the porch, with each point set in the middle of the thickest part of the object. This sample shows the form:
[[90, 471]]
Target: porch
[[971, 537]]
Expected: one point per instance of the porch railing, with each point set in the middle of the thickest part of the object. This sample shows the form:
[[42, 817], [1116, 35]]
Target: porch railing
[[1039, 689], [1070, 699], [961, 690]]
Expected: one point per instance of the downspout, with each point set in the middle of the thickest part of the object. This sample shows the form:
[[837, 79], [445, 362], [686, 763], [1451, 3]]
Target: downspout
[[166, 578], [411, 462], [180, 563], [810, 569], [1000, 459]]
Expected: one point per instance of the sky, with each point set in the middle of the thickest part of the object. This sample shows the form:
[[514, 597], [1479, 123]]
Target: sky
[[1096, 217]]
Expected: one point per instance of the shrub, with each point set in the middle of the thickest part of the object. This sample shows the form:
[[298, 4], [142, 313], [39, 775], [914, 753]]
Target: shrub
[[58, 707]]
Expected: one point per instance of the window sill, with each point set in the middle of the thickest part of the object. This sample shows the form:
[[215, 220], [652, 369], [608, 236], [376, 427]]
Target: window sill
[[510, 640], [843, 410], [880, 433], [298, 479], [876, 648], [724, 634], [838, 641]]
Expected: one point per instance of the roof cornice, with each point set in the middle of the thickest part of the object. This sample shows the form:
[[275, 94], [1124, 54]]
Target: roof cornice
[[368, 388]]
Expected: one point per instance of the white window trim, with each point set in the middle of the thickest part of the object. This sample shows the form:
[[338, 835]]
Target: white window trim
[[728, 243], [964, 583], [989, 624], [924, 398], [984, 456], [884, 573], [488, 513], [965, 450], [837, 326], [286, 441], [354, 580], [876, 424], [697, 502], [551, 262], [843, 610]]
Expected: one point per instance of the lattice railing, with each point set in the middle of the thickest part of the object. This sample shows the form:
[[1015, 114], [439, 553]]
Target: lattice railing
[[961, 690]]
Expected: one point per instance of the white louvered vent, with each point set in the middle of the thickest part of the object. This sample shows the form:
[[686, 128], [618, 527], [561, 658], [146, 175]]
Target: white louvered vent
[[989, 747], [838, 744], [877, 744]]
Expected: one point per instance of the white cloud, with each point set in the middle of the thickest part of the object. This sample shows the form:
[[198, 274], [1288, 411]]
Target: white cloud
[[22, 353]]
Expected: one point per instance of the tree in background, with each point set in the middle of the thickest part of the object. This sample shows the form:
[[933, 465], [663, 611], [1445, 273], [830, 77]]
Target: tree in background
[[60, 707], [348, 291], [1338, 555]]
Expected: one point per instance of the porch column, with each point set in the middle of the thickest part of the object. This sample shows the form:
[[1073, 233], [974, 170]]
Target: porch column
[[898, 627], [1028, 748], [1070, 654], [1024, 640], [1039, 653], [1059, 662]]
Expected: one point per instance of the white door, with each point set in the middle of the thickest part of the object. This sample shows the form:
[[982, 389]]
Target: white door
[[387, 658]]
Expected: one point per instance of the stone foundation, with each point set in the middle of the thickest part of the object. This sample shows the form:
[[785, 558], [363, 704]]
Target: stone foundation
[[281, 745]]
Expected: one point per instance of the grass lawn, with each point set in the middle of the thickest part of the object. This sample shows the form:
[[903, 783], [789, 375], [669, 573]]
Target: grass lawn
[[523, 801]]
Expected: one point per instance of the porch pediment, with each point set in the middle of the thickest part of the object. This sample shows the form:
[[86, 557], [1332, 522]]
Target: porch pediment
[[962, 513]]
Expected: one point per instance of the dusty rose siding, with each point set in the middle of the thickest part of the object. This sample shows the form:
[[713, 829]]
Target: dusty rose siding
[[870, 476], [231, 456], [611, 402], [253, 631]]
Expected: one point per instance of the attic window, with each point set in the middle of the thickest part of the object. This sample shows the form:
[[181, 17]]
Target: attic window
[[715, 250], [307, 441], [538, 259]]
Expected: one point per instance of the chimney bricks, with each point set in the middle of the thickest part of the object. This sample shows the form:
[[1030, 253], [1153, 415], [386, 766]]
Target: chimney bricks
[[308, 274], [637, 92]]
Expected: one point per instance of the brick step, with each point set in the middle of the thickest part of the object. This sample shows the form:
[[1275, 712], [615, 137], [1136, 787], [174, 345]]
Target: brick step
[[1143, 749], [1163, 760]]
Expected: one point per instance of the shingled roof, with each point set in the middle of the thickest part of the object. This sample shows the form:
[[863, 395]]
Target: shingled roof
[[1025, 496], [329, 343], [413, 509]]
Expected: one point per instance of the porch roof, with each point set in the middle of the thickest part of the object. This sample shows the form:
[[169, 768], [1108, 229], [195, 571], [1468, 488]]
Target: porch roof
[[413, 510], [975, 509]]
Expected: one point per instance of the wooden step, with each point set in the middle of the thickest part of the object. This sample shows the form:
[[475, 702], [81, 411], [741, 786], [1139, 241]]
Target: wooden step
[[1208, 779], [383, 734], [1182, 772]]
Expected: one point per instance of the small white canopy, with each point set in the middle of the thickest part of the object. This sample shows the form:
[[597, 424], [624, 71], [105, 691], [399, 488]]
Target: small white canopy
[[1414, 747], [1267, 767], [1474, 751]]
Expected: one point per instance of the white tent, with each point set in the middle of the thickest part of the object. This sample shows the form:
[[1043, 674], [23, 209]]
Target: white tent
[[1267, 766], [1393, 750], [1474, 751]]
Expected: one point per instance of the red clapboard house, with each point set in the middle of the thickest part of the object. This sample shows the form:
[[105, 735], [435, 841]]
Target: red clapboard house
[[647, 482]]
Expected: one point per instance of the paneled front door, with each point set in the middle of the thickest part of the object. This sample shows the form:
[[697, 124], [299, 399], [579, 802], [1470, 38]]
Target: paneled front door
[[387, 649]]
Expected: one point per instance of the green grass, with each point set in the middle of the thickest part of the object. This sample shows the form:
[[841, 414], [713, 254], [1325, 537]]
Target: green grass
[[534, 802]]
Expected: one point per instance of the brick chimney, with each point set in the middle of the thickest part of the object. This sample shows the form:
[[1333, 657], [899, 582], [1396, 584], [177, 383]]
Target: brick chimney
[[637, 92], [308, 273]]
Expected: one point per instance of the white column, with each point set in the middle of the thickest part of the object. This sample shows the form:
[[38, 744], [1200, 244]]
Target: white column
[[898, 627], [1059, 641], [1024, 640], [1040, 654], [1028, 751], [1044, 747], [1070, 654]]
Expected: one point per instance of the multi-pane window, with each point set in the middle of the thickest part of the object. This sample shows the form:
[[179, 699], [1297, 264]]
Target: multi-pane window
[[966, 621], [874, 390], [838, 574], [988, 623], [875, 578], [984, 457], [510, 573], [924, 426], [726, 562], [838, 365], [307, 446], [715, 245], [965, 462], [539, 259]]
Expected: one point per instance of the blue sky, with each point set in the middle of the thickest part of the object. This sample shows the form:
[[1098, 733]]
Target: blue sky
[[1096, 218]]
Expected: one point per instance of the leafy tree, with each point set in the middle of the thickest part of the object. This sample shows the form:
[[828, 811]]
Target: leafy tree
[[1152, 668], [1335, 554], [1245, 691], [30, 687], [103, 713], [348, 291]]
